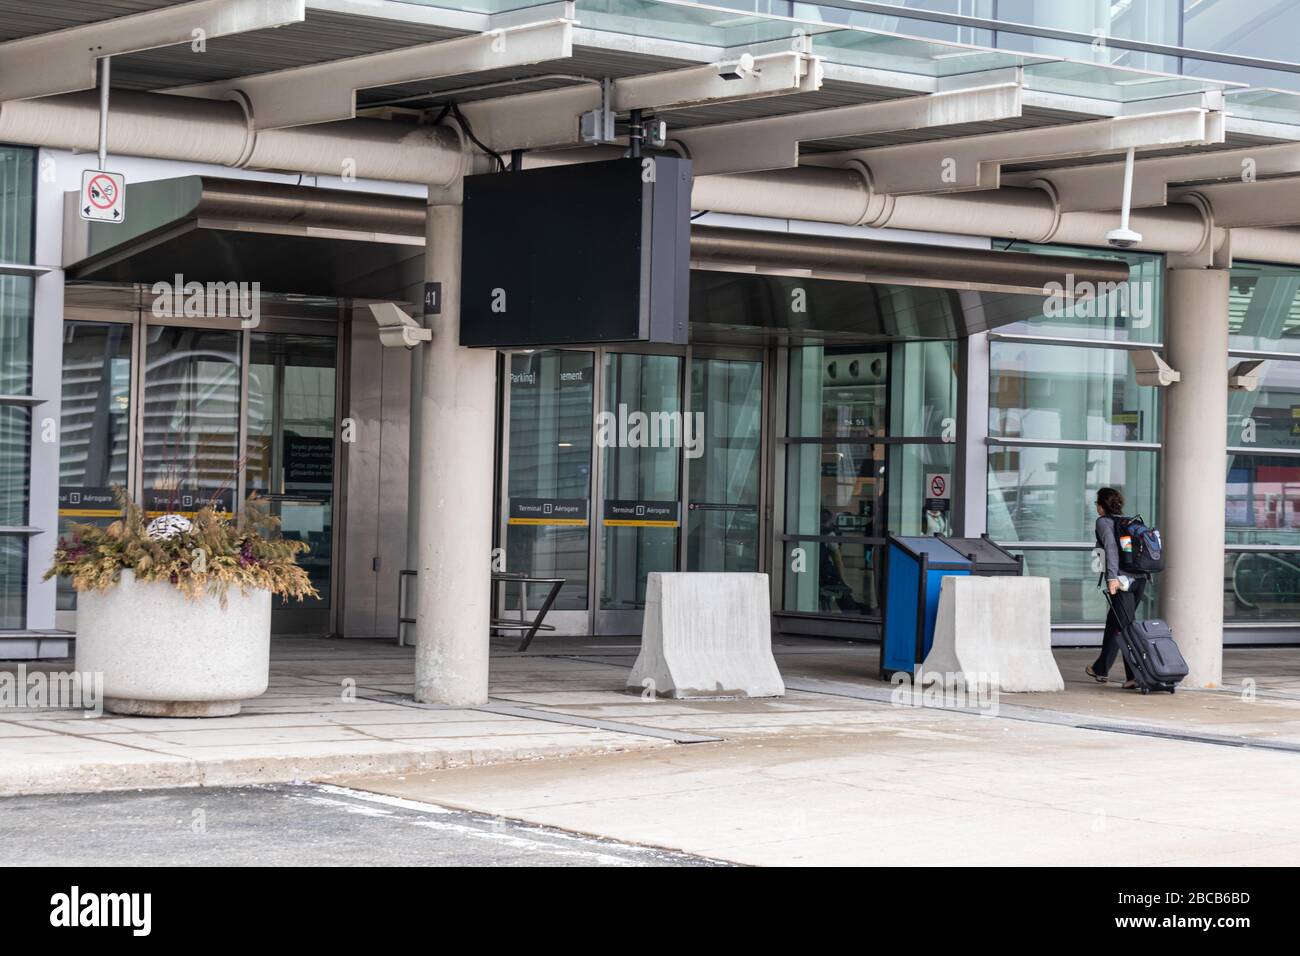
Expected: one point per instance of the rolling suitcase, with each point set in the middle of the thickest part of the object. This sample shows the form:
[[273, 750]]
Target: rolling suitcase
[[1150, 652]]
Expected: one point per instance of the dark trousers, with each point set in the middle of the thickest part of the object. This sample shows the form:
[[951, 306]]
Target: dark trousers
[[1126, 603]]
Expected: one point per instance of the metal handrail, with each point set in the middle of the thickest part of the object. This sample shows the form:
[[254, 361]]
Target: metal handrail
[[496, 623], [530, 627]]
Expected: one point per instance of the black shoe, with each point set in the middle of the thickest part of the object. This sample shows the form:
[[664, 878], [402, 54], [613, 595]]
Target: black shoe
[[1099, 678]]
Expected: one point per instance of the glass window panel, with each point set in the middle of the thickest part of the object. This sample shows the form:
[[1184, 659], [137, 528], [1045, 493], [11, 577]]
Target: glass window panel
[[1075, 596], [1048, 494], [17, 203], [835, 489], [13, 582], [1065, 392], [919, 478], [1269, 416], [1128, 313], [838, 392], [94, 428], [551, 396], [16, 334], [640, 474], [1264, 308], [191, 418], [15, 441], [910, 26], [1256, 28], [923, 403], [722, 530], [1261, 586], [832, 577], [1263, 500], [1154, 21]]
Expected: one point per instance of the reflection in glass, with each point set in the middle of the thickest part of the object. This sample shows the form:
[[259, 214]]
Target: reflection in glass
[[94, 428], [639, 476], [191, 418], [1261, 586], [722, 534], [840, 487], [838, 392], [551, 395], [923, 390], [1264, 308], [1263, 499], [1068, 393], [920, 489], [15, 440], [832, 576], [1130, 313], [1076, 598], [13, 581], [290, 451], [1048, 494]]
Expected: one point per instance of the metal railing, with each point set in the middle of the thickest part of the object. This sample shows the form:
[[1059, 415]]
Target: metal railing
[[529, 627]]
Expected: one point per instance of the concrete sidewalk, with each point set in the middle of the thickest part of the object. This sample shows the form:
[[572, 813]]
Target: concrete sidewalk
[[342, 709]]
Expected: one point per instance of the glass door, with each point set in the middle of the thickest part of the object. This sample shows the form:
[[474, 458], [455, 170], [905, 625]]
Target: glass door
[[724, 466], [290, 455], [640, 433], [189, 419], [546, 509]]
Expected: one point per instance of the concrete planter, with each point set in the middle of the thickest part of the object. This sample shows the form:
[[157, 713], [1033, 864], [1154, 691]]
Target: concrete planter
[[164, 655]]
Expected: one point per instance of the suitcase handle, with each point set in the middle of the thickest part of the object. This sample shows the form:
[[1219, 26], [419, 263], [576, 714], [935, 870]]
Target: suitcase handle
[[1111, 602]]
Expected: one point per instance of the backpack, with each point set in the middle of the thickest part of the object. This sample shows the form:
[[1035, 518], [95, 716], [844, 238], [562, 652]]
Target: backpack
[[1140, 548]]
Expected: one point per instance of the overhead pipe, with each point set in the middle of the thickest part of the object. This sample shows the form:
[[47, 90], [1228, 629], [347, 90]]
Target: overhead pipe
[[219, 132]]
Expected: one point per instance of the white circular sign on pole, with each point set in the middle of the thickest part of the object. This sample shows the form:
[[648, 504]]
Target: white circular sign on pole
[[103, 196]]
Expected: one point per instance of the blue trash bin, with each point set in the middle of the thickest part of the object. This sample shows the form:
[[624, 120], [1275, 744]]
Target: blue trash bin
[[914, 568]]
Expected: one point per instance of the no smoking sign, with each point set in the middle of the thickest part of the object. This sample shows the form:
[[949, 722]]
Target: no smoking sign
[[103, 196]]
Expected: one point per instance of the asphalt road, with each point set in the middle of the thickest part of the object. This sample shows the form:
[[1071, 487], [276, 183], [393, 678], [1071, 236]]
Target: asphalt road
[[283, 825]]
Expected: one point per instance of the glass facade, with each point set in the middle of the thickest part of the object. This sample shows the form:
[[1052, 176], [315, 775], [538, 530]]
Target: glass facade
[[1066, 417], [869, 434], [17, 247], [1262, 562]]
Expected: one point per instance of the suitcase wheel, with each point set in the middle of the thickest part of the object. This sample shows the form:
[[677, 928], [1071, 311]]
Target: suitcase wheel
[[1146, 690]]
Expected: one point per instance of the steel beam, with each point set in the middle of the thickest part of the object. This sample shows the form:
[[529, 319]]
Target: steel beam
[[1267, 202], [974, 162], [549, 118], [325, 92], [64, 61], [1097, 187], [773, 142]]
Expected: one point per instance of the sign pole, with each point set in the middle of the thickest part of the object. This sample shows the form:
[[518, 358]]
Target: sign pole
[[104, 71]]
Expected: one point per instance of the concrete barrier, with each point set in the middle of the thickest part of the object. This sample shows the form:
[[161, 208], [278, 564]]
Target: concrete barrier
[[995, 630], [707, 634]]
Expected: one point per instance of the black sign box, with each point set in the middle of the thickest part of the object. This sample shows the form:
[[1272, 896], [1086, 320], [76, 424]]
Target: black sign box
[[580, 254]]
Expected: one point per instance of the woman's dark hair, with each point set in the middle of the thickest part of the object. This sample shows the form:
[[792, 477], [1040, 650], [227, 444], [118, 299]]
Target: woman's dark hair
[[1110, 501]]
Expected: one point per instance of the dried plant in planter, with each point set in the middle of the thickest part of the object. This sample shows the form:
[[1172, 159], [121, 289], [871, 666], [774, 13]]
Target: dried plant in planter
[[205, 556]]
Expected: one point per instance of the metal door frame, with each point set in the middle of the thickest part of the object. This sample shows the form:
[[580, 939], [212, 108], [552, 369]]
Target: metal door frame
[[594, 621]]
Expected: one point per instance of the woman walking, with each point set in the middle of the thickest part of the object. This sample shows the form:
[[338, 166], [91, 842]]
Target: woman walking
[[1125, 590]]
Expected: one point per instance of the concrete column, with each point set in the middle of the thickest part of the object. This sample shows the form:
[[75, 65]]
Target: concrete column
[[1195, 462], [457, 425]]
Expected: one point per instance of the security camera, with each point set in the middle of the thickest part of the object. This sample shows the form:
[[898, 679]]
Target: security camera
[[396, 328], [1123, 238], [738, 70], [1152, 370]]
